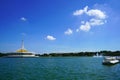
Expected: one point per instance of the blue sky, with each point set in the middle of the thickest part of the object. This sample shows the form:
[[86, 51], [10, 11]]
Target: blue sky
[[59, 25]]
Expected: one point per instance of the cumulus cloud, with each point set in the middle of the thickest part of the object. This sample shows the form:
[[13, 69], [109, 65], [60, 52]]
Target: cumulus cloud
[[98, 18], [68, 32], [86, 27], [92, 12], [96, 13], [81, 11], [23, 19], [49, 37], [96, 22]]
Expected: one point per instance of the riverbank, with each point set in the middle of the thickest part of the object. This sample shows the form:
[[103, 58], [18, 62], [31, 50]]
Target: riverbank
[[100, 53]]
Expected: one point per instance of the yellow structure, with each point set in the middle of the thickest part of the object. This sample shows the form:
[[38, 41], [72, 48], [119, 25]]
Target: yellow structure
[[21, 53], [22, 50]]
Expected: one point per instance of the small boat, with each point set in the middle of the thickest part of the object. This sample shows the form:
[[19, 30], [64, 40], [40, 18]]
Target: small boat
[[110, 61]]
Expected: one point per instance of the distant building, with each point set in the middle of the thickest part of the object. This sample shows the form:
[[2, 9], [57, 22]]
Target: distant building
[[22, 52]]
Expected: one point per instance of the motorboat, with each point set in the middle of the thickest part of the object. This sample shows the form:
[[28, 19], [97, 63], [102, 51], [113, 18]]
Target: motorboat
[[110, 61]]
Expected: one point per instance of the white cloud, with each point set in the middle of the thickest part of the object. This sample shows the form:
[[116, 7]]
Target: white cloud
[[23, 19], [98, 18], [92, 12], [50, 38], [96, 22], [68, 32], [81, 11], [86, 27], [96, 13]]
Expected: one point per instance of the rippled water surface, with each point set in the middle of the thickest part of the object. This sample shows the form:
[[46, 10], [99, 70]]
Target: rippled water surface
[[57, 68]]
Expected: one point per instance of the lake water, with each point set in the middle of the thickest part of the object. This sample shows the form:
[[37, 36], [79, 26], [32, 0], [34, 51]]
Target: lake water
[[57, 68]]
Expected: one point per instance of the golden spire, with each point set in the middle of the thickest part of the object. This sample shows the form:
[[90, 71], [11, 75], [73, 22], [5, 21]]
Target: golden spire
[[22, 47], [22, 50]]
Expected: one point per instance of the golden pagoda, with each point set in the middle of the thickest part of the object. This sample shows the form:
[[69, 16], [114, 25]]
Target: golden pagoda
[[21, 53]]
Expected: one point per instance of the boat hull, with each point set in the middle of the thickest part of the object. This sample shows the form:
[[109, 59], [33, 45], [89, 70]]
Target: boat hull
[[109, 63]]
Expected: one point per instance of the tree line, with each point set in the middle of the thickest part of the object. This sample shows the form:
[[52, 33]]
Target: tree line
[[103, 53]]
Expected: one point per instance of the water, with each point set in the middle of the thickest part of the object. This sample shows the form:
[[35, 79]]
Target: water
[[57, 68]]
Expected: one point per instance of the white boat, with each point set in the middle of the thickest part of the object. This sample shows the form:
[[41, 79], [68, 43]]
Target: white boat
[[21, 53], [110, 61]]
